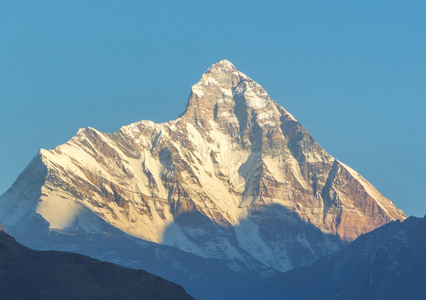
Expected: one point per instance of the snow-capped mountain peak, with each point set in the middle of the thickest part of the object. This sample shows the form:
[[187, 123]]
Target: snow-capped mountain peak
[[235, 178]]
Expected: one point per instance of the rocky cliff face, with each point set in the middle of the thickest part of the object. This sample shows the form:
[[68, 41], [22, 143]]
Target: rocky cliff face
[[235, 177]]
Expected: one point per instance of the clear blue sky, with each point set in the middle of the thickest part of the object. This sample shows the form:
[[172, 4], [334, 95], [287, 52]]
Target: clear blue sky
[[352, 72]]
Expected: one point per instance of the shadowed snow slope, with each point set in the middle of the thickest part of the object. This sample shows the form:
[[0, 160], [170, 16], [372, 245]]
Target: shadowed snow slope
[[235, 179], [388, 263]]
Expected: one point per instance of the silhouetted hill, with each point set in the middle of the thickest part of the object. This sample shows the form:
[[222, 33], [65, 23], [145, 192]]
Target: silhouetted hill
[[387, 263], [30, 274]]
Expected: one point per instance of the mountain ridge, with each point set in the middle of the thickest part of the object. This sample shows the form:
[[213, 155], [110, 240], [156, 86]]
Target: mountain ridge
[[30, 274], [234, 178], [386, 263]]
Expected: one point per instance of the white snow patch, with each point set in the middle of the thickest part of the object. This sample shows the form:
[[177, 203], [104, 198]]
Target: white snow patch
[[227, 92], [58, 208], [254, 101], [156, 168], [198, 90], [267, 117], [174, 237], [209, 80], [250, 240]]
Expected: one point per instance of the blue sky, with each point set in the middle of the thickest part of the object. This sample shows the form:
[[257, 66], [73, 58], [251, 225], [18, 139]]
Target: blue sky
[[352, 72]]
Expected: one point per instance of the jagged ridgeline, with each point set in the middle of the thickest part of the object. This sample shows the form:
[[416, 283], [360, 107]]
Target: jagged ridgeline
[[235, 179]]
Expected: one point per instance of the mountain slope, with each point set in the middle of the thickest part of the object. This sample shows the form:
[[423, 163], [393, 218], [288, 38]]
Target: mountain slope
[[30, 274], [388, 263], [235, 179]]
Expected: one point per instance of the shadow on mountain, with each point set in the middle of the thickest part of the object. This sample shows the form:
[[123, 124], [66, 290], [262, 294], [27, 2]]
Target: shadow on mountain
[[387, 263], [234, 262], [270, 240], [200, 276]]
